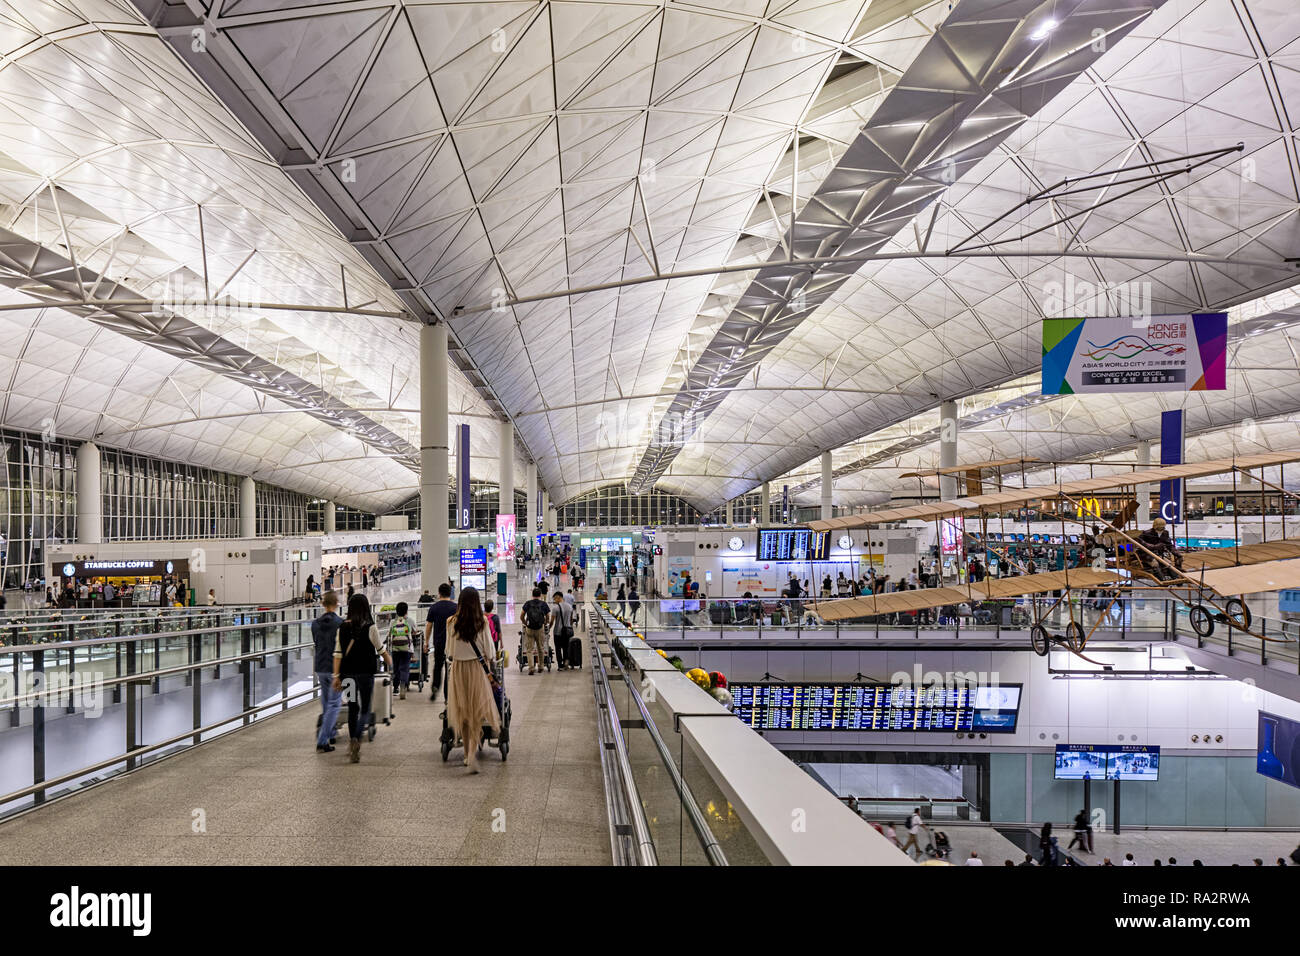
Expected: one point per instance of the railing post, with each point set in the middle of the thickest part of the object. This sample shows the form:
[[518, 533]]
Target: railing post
[[246, 668], [15, 715], [196, 657], [38, 723], [72, 678], [131, 736], [284, 667]]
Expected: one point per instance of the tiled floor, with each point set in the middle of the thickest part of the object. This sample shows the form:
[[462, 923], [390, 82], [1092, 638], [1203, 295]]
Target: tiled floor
[[263, 796]]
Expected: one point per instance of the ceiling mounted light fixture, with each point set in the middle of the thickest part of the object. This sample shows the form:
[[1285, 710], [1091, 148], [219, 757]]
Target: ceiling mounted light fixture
[[1042, 32]]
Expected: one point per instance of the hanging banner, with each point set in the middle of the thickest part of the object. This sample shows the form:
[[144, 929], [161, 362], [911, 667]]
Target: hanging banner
[[462, 478], [1160, 353], [505, 538], [1172, 443]]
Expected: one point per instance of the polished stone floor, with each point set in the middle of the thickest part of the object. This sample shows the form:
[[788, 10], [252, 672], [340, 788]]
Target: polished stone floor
[[262, 795]]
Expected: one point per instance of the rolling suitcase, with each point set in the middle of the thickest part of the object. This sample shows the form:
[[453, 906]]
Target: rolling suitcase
[[574, 651], [381, 700]]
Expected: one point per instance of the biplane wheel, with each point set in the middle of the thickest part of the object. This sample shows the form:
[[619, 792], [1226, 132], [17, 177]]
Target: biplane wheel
[[1201, 619], [1039, 639], [1074, 637], [1238, 613]]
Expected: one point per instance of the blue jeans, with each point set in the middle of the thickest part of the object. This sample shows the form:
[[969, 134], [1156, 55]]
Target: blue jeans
[[330, 701]]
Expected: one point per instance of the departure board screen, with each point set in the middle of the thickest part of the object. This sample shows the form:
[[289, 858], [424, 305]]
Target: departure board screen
[[793, 544], [878, 707]]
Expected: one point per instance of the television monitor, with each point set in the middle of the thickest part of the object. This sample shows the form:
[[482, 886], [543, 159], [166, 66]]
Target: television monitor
[[997, 707], [1133, 763], [1074, 539], [1020, 536], [1034, 538], [1080, 762], [1279, 749], [793, 544]]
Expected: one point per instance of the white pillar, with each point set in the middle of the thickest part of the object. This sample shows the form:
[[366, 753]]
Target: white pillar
[[90, 509], [1144, 491], [731, 512], [331, 523], [828, 502], [530, 524], [764, 503], [247, 508], [947, 449], [546, 511], [506, 469], [434, 542]]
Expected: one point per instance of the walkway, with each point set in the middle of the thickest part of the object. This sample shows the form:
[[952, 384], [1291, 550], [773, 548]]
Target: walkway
[[262, 795]]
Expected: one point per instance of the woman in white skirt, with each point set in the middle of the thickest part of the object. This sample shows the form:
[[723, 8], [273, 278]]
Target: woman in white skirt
[[470, 705]]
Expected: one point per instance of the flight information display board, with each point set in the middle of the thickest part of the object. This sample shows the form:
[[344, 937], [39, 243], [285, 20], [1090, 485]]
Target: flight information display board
[[1107, 762], [880, 707], [793, 544]]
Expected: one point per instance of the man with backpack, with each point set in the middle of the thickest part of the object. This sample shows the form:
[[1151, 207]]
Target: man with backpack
[[401, 642], [536, 617]]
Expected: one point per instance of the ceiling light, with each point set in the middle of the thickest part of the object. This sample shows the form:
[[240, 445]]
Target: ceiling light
[[1042, 31]]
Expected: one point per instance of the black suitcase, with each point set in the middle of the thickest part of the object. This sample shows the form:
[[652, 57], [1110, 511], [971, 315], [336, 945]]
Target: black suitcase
[[575, 651]]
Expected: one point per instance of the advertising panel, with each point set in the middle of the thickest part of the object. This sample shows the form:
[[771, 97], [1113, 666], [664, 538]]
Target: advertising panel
[[505, 537], [1279, 749], [1161, 353]]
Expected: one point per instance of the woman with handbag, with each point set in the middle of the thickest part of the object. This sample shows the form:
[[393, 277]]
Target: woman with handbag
[[356, 649], [470, 703]]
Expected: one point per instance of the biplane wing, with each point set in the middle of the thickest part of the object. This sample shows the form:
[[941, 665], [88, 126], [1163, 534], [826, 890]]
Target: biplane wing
[[976, 466], [1283, 548], [1254, 578], [925, 598], [1000, 500]]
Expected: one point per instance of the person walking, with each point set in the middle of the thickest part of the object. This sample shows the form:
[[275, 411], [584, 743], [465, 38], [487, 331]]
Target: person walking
[[401, 643], [435, 635], [536, 617], [355, 647], [562, 629], [633, 602], [470, 704], [1081, 834], [324, 631], [914, 826], [1046, 844], [621, 598]]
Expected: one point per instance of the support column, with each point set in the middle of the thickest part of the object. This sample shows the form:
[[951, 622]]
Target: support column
[[247, 508], [546, 511], [765, 504], [731, 512], [434, 486], [529, 531], [828, 502], [1144, 491], [90, 508], [331, 517], [505, 493], [947, 449]]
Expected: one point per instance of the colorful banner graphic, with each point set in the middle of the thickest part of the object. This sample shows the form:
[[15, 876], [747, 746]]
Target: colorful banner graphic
[[1162, 353], [505, 537]]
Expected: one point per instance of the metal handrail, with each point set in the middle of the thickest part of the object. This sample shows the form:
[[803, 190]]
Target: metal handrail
[[148, 748], [140, 676], [147, 636], [631, 798], [708, 842]]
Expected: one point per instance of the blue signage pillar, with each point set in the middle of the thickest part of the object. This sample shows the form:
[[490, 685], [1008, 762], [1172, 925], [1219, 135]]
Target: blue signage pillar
[[464, 502], [1171, 453]]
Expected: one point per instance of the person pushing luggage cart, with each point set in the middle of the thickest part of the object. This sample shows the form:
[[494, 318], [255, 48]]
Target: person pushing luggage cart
[[477, 707]]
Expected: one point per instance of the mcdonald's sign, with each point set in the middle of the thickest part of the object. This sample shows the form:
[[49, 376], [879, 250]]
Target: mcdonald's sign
[[1088, 508]]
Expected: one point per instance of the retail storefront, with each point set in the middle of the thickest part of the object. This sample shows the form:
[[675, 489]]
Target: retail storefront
[[124, 582]]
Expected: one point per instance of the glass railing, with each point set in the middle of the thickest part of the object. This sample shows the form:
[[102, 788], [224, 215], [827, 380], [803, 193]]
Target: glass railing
[[75, 712], [708, 789]]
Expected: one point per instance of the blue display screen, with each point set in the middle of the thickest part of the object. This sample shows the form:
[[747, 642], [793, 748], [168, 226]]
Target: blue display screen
[[877, 707], [793, 544], [1107, 762]]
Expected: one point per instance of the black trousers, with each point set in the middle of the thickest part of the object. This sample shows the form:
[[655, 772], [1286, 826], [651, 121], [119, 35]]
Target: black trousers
[[561, 650], [439, 654], [358, 689]]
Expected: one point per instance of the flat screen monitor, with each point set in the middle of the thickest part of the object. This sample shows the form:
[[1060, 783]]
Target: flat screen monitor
[[1074, 539], [1080, 762], [793, 544], [876, 707], [1020, 537], [1133, 763], [1279, 749]]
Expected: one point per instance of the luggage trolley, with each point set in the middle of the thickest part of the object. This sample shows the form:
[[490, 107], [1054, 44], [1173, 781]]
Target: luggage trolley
[[384, 615], [450, 739], [548, 654]]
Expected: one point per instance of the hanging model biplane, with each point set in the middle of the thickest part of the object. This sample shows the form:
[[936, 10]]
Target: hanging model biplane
[[1122, 558]]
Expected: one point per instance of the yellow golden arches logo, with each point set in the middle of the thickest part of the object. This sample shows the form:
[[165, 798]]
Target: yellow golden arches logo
[[1088, 507]]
